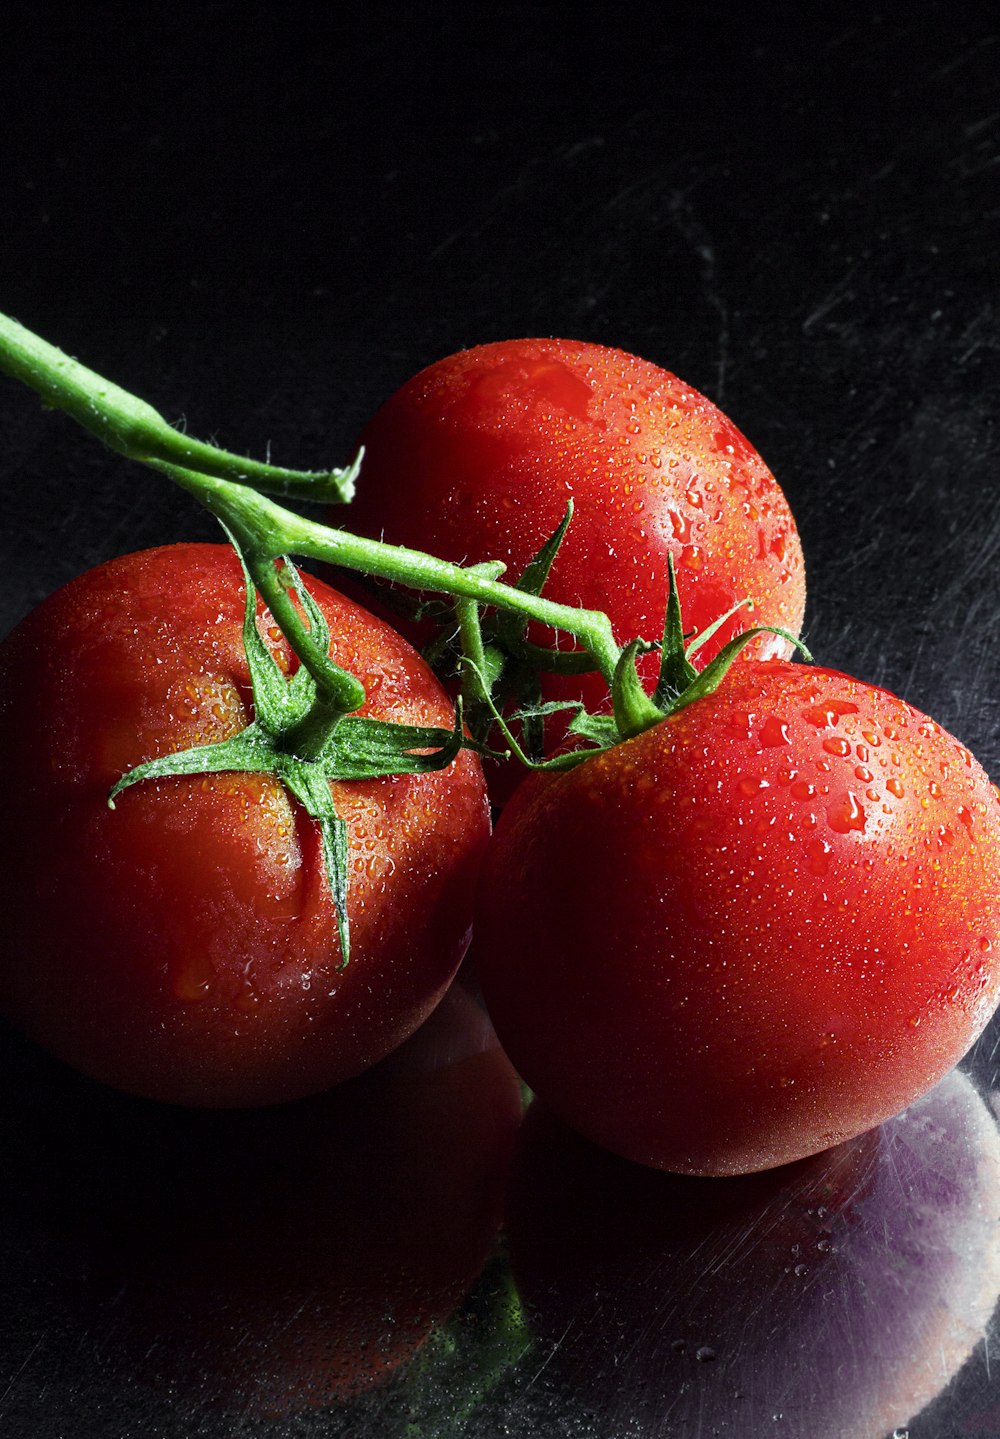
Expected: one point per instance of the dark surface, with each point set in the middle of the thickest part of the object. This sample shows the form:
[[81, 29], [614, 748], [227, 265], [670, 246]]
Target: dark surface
[[263, 219]]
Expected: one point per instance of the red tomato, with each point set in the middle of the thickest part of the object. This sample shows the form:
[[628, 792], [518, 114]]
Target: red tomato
[[754, 931], [476, 456], [183, 945]]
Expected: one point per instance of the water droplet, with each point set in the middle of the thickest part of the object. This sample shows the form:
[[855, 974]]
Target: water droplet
[[801, 1270], [894, 787], [828, 714], [774, 731], [837, 745], [847, 815], [705, 1354], [681, 526], [751, 785]]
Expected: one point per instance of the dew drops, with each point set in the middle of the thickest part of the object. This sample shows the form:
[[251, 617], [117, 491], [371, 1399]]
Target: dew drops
[[751, 785], [774, 731], [847, 815], [895, 787], [837, 745], [705, 1354], [828, 714]]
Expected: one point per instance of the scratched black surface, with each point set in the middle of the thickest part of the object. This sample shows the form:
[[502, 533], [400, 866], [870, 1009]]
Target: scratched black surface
[[263, 218]]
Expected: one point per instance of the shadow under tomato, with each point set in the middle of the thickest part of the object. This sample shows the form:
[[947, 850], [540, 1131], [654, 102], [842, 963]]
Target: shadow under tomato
[[280, 1259], [837, 1295]]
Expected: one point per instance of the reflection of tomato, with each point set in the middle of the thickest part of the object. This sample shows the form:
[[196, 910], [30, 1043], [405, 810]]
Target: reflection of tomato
[[184, 945], [281, 1258], [476, 457], [839, 1294], [763, 926]]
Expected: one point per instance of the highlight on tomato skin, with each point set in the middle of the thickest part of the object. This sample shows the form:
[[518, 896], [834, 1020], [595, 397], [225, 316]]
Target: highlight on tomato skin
[[476, 456], [761, 927], [184, 945]]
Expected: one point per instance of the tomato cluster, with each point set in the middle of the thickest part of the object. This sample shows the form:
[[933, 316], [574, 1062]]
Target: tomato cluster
[[731, 938]]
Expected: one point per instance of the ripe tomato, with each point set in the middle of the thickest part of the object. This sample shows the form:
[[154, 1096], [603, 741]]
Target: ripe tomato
[[755, 930], [183, 946], [475, 458]]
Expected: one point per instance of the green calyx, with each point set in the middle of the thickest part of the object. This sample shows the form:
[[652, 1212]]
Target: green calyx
[[679, 683], [303, 741], [633, 709]]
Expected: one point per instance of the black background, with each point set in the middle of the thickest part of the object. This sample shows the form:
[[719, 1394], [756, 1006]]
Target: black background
[[263, 218]]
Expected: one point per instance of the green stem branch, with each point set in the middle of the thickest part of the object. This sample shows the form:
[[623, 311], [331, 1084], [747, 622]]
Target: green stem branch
[[133, 428], [231, 487]]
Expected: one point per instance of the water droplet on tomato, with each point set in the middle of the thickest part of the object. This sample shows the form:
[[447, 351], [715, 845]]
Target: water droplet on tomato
[[828, 714], [895, 787], [774, 731], [847, 815], [818, 857], [838, 746]]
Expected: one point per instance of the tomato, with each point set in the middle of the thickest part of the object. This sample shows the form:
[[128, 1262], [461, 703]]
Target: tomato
[[184, 945], [755, 930], [476, 457]]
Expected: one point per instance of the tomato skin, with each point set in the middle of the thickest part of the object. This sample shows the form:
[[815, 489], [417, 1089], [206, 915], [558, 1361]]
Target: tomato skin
[[183, 945], [476, 456], [754, 931]]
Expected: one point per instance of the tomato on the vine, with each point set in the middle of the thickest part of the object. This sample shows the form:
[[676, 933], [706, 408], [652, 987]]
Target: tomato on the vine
[[758, 928], [476, 456], [185, 945]]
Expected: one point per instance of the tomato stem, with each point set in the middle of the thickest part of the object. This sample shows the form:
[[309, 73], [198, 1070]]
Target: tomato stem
[[233, 488], [133, 428]]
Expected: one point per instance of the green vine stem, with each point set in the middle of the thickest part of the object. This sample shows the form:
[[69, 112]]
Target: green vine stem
[[231, 486], [133, 428], [232, 489]]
